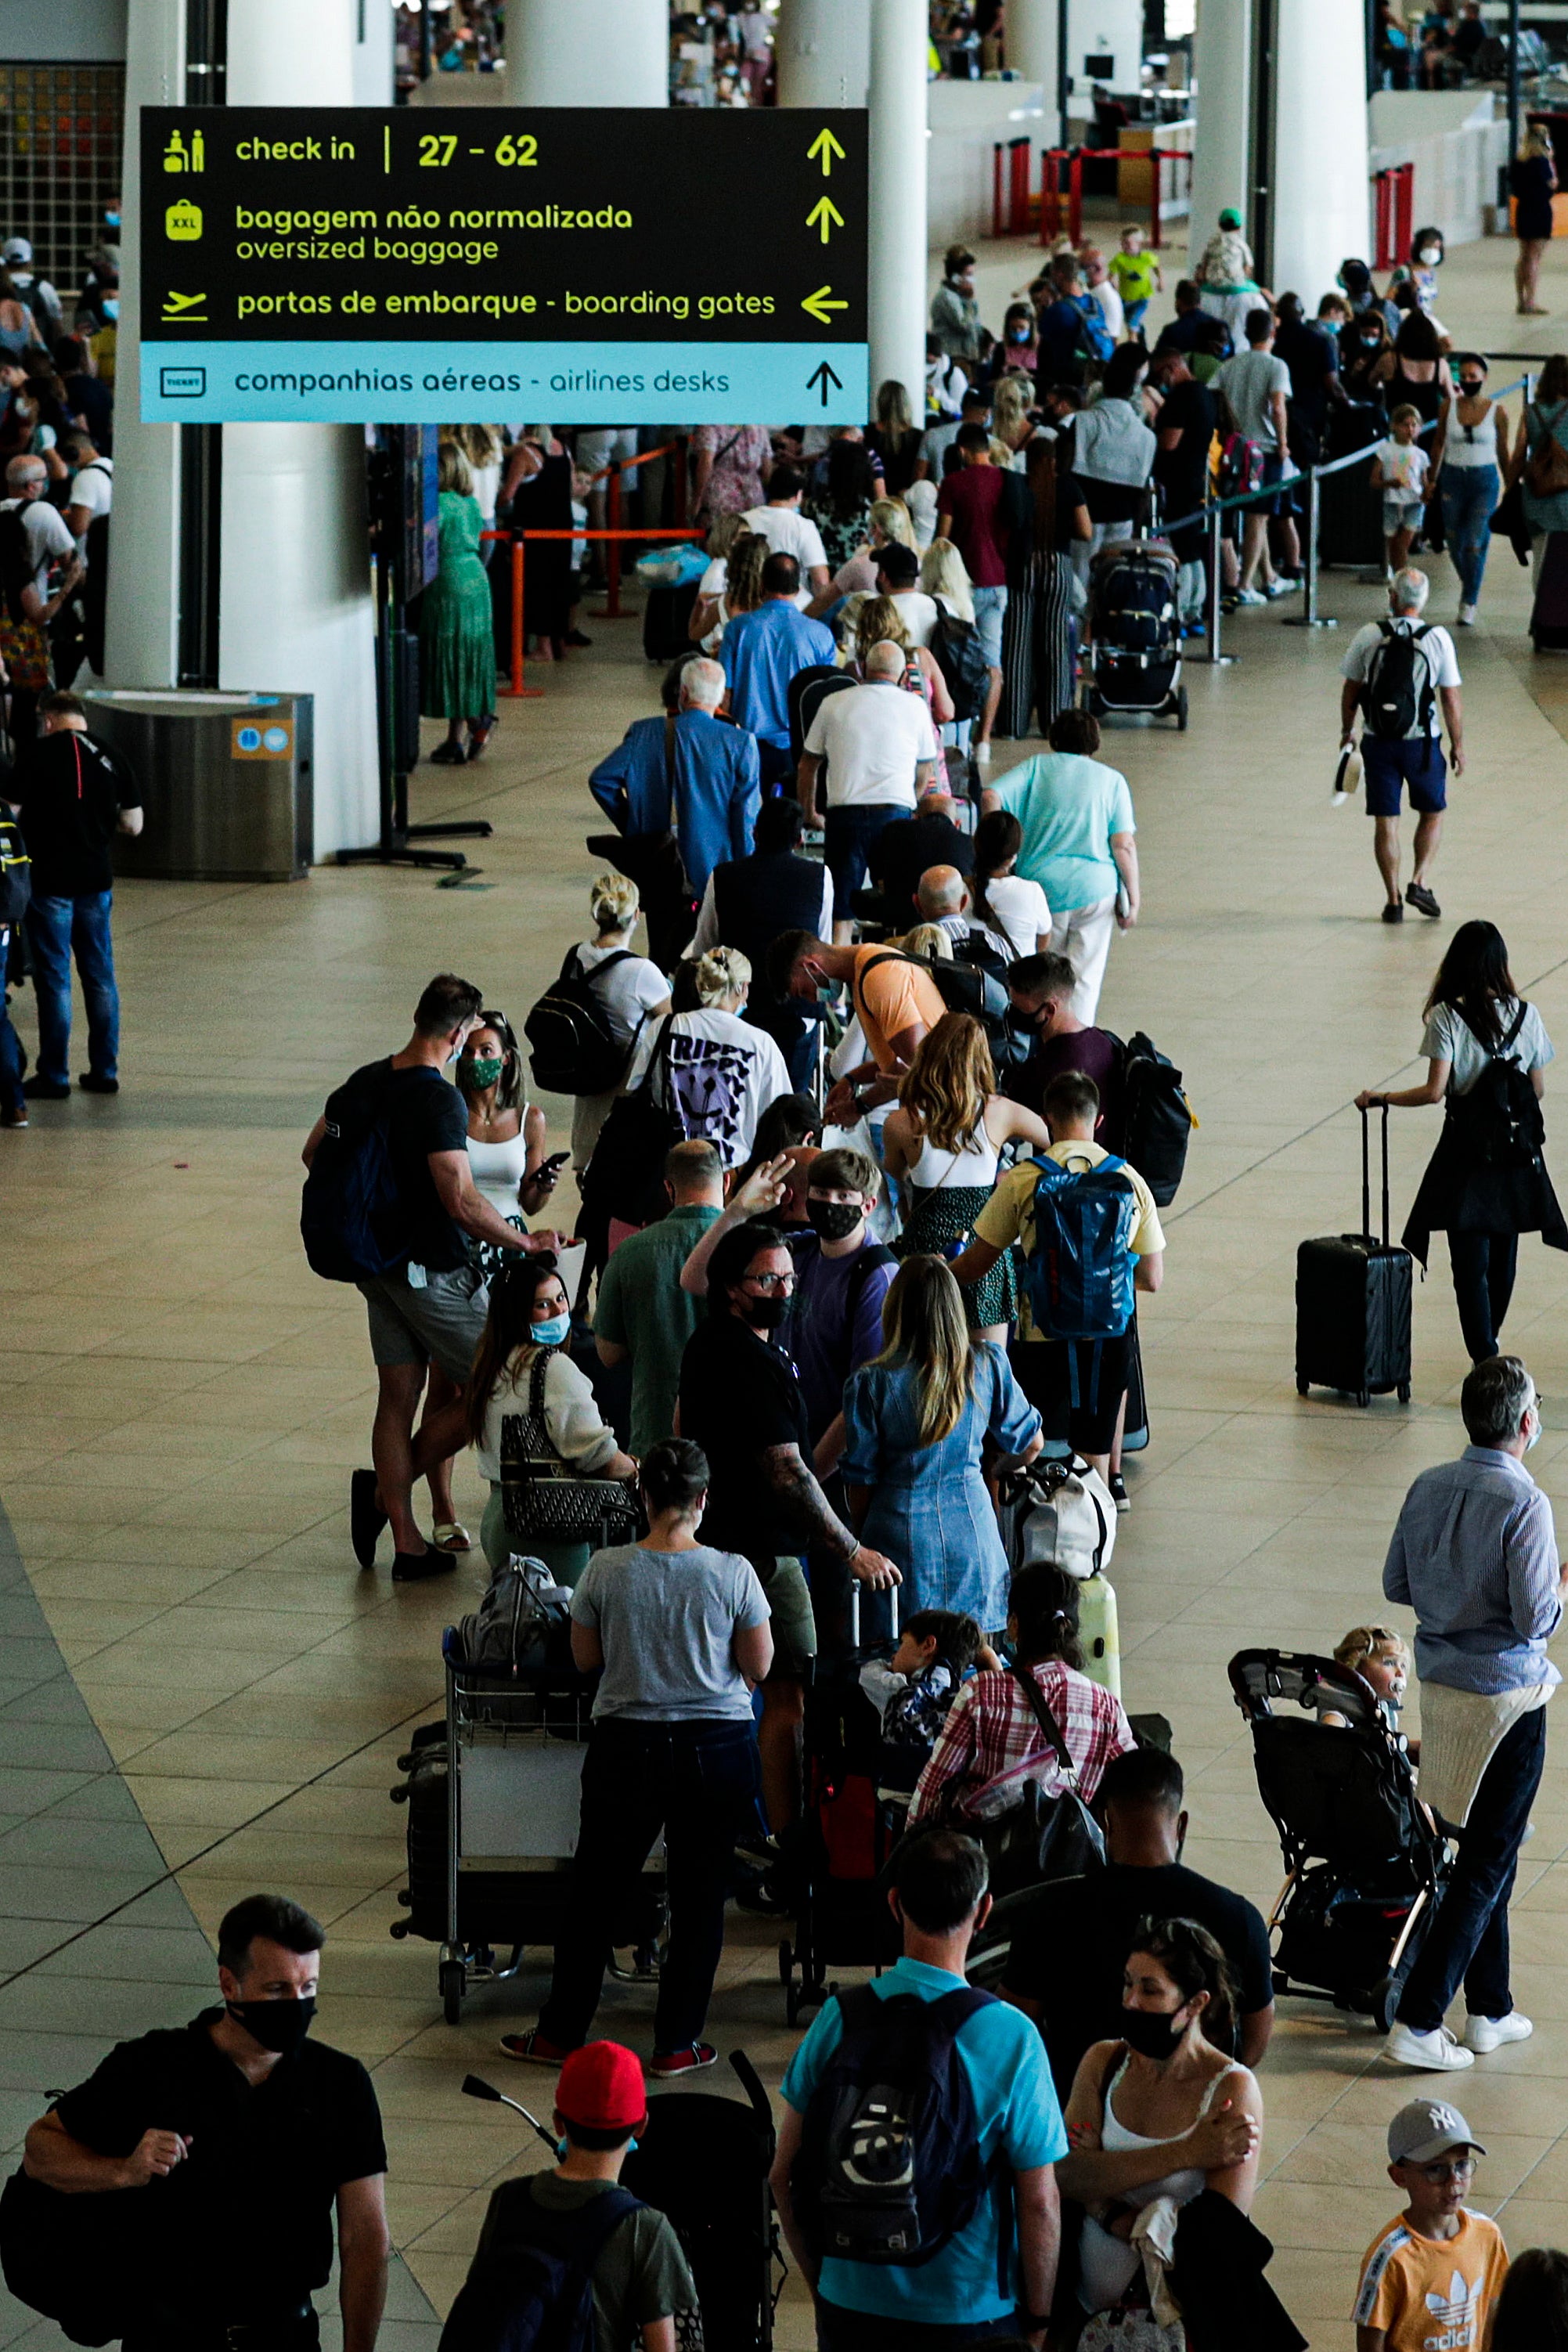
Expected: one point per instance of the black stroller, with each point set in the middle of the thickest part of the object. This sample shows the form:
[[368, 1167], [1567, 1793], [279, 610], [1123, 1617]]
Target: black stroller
[[1364, 1867], [1132, 652]]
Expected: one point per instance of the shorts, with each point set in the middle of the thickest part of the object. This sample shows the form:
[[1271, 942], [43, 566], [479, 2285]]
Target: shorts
[[598, 444], [1401, 511], [990, 604], [441, 1324], [1075, 1385], [1273, 471], [793, 1625], [1420, 764]]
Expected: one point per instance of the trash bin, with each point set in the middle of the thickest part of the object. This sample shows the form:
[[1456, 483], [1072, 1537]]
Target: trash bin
[[226, 782]]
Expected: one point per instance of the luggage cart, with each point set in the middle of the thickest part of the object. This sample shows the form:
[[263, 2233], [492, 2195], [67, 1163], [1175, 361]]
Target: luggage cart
[[515, 1748]]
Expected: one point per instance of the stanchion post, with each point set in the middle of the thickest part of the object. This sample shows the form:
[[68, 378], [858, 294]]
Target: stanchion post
[[1309, 617], [997, 188], [517, 691], [1216, 571]]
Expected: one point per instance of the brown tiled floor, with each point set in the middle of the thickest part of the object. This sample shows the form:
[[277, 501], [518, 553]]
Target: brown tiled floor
[[184, 1402]]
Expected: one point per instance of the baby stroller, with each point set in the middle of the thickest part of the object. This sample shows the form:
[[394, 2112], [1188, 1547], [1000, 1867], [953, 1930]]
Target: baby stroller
[[1133, 646], [1364, 1867]]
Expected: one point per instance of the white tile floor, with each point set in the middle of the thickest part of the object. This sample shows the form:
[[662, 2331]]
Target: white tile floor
[[184, 1402]]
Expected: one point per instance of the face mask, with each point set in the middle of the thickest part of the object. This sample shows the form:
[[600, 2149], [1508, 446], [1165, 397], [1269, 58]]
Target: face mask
[[111, 220], [111, 306], [1370, 342], [1150, 2032], [765, 1314], [483, 1069], [552, 1332], [1020, 334], [278, 2025], [1534, 1437], [832, 1221], [1429, 255], [1471, 386]]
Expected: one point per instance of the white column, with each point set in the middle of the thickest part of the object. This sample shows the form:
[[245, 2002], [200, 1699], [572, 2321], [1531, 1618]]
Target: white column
[[142, 625], [1030, 49], [1222, 66], [1320, 185], [899, 37], [823, 49], [296, 615], [553, 59]]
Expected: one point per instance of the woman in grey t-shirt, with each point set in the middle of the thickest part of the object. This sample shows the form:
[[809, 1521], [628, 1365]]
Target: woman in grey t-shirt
[[682, 1634], [1486, 1182]]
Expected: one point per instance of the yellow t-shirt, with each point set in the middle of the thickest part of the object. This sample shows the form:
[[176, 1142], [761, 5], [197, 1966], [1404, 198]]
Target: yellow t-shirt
[[1431, 2293], [1009, 1216]]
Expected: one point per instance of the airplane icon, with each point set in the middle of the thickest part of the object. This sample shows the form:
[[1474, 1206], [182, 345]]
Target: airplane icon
[[185, 310]]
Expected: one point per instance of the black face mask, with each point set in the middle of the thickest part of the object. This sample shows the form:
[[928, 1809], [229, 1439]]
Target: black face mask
[[1151, 2032], [765, 1314], [278, 2025], [832, 1221]]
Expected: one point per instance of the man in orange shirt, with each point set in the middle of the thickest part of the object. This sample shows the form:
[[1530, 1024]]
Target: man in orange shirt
[[895, 999]]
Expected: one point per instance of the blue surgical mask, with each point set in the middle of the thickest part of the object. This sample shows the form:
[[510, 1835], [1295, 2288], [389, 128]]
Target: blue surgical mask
[[112, 219], [552, 1333], [1534, 1437], [111, 306]]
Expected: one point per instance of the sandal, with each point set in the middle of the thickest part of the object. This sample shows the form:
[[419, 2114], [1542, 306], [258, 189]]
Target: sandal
[[451, 1535]]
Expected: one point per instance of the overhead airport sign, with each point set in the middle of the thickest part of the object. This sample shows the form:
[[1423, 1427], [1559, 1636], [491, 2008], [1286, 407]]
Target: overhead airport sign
[[597, 267]]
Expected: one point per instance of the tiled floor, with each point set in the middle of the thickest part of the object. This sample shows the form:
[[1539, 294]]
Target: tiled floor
[[183, 1403]]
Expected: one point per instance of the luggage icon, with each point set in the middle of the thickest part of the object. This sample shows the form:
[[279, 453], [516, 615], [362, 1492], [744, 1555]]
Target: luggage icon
[[182, 222]]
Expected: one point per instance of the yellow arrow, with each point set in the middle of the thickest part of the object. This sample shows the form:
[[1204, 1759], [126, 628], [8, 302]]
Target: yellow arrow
[[824, 214], [820, 305], [825, 145]]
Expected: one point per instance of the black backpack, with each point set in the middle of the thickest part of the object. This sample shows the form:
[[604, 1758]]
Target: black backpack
[[572, 1049], [15, 876], [889, 2169], [352, 1217], [970, 986], [1500, 1120], [957, 650], [77, 2267], [533, 2290], [1157, 1118], [1398, 696]]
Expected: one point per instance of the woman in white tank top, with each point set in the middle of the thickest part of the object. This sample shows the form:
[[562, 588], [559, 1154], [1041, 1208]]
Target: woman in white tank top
[[1469, 466], [507, 1154], [943, 1143], [1164, 2113]]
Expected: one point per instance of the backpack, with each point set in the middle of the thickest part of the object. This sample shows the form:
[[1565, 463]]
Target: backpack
[[80, 2269], [1499, 1119], [521, 1625], [1080, 1267], [1241, 465], [572, 1049], [1398, 696], [16, 876], [625, 1177], [969, 986], [1156, 1118], [352, 1217], [957, 650], [889, 2169], [533, 2291]]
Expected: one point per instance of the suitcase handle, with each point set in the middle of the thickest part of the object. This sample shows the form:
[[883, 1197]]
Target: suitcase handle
[[856, 1611], [1367, 1175]]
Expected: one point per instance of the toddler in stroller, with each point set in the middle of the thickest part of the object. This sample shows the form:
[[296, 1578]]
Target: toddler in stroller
[[1364, 1864], [1382, 1658]]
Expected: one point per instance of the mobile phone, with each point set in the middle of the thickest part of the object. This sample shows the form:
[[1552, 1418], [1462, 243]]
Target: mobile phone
[[555, 1163]]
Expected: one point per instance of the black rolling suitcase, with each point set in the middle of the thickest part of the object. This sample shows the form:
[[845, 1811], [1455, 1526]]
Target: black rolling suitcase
[[666, 618], [1349, 512], [1353, 1302]]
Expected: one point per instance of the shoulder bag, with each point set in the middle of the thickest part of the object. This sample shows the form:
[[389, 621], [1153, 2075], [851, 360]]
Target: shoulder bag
[[1030, 1837], [542, 1497]]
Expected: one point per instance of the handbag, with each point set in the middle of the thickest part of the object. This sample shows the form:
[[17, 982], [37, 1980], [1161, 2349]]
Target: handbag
[[1028, 1836], [542, 1498]]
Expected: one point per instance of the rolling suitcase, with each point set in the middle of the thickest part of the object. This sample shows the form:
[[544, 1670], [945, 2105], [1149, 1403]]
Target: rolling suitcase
[[666, 617], [1353, 1303]]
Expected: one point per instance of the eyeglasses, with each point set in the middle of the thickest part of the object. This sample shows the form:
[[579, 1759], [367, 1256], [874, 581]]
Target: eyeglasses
[[1438, 2176], [781, 1284]]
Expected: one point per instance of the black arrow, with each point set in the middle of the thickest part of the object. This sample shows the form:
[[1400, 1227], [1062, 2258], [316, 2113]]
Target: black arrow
[[824, 375]]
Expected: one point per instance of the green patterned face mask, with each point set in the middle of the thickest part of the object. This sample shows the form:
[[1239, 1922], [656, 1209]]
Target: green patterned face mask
[[483, 1069]]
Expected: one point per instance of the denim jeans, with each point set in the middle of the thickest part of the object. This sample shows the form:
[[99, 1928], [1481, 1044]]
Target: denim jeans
[[1483, 1269], [1468, 1940], [1469, 493], [13, 1060], [57, 928], [847, 836], [697, 1781]]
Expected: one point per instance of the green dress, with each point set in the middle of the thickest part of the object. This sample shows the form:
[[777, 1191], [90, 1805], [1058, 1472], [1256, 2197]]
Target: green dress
[[456, 632]]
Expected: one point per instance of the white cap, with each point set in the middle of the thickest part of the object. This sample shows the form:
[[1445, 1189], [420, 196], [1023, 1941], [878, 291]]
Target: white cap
[[16, 249]]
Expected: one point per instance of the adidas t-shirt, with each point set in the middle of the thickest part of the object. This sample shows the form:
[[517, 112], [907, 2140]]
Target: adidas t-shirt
[[1437, 652], [1432, 2295]]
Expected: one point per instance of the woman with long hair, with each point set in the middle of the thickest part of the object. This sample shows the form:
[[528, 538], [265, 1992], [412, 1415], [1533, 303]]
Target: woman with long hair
[[918, 1418], [1533, 182], [1470, 458], [1415, 371], [992, 1726], [536, 490], [944, 578], [842, 508], [710, 610], [456, 632], [726, 1072], [1539, 465], [1486, 1183], [889, 525], [1163, 2111], [1018, 348], [1016, 913], [25, 617], [943, 1143], [529, 1319], [631, 991], [894, 438], [878, 621], [1367, 354], [1037, 626]]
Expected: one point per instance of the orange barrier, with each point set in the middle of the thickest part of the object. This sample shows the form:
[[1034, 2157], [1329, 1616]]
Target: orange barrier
[[611, 610], [517, 690]]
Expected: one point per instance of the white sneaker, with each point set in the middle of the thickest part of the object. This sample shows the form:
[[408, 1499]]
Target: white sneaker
[[1250, 596], [1436, 2053], [981, 754], [1484, 2033], [1467, 616]]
